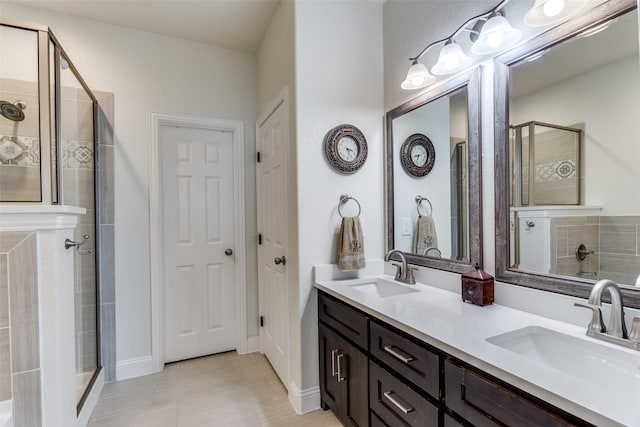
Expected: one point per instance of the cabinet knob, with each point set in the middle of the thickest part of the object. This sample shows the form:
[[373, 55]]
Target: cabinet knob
[[280, 260]]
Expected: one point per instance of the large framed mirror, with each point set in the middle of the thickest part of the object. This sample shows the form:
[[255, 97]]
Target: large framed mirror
[[433, 176], [567, 169]]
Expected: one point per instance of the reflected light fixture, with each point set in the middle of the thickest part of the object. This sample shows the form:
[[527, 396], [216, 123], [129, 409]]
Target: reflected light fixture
[[452, 59], [496, 34], [549, 12], [418, 76]]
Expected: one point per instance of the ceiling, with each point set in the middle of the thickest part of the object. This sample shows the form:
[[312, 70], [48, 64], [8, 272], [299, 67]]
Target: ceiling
[[232, 24]]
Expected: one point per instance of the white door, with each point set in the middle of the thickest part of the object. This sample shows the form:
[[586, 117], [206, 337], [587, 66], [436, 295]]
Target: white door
[[273, 202], [198, 212]]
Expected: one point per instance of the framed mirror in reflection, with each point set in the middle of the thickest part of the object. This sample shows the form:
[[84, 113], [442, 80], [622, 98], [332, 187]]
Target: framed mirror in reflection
[[433, 176], [569, 153]]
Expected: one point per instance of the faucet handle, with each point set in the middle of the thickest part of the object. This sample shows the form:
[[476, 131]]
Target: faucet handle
[[596, 325], [634, 335]]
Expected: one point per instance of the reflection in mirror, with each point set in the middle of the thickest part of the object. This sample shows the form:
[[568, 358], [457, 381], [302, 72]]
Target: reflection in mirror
[[573, 170], [432, 211]]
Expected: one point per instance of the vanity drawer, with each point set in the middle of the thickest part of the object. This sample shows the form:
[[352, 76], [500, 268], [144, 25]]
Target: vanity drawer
[[484, 402], [344, 319], [415, 362], [395, 403]]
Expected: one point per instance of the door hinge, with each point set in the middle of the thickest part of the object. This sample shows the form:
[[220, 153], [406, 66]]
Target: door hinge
[[261, 321], [259, 238], [258, 157]]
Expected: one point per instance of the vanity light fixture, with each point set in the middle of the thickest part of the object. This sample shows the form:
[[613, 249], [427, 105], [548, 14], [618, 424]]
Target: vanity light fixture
[[549, 12], [452, 59], [418, 76], [496, 34]]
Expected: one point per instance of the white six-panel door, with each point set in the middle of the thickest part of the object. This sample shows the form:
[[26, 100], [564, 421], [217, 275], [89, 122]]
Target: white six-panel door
[[198, 208], [273, 299]]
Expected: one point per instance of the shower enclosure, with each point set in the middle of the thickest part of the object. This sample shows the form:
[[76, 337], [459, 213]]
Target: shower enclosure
[[48, 157], [545, 164]]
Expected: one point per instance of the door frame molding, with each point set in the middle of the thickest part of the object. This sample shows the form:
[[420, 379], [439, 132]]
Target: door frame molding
[[156, 237]]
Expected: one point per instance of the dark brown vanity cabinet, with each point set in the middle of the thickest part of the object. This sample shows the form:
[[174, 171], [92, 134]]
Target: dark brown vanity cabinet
[[374, 374], [344, 379]]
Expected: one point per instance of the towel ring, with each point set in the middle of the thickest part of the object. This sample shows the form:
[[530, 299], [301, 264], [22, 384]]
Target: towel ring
[[419, 200], [344, 199]]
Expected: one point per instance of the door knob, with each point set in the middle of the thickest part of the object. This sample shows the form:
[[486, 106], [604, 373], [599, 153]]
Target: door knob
[[228, 252], [280, 260]]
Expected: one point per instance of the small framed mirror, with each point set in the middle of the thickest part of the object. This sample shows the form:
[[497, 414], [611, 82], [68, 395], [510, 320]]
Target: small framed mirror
[[433, 176], [567, 171]]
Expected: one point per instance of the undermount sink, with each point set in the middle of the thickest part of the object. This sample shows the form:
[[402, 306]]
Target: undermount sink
[[607, 366], [382, 287]]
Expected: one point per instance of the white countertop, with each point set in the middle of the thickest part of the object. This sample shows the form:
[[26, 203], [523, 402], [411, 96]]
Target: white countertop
[[440, 318]]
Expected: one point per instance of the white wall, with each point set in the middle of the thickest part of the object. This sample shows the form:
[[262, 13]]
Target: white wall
[[433, 121], [152, 73], [339, 79], [606, 100]]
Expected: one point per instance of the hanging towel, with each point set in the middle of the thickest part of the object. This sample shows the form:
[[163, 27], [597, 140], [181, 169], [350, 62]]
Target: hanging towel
[[424, 234], [350, 244]]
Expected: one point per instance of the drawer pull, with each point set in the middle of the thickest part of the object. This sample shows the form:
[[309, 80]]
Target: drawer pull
[[399, 354], [397, 402], [340, 357]]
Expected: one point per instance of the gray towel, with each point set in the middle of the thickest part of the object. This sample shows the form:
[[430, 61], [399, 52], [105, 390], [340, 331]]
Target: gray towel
[[424, 234], [350, 244]]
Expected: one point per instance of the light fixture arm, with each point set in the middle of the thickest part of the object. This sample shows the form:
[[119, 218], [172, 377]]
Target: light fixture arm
[[463, 26]]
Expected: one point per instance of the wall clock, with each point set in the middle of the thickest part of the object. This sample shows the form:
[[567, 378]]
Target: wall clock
[[346, 148], [417, 155]]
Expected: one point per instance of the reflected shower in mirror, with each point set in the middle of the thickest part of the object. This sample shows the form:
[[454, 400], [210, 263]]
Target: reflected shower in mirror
[[573, 155], [432, 210]]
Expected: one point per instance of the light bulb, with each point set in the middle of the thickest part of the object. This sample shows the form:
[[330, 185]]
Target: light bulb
[[495, 39], [553, 7]]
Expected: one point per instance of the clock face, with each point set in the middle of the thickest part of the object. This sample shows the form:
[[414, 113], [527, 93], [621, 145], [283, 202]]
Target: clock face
[[347, 149], [419, 155]]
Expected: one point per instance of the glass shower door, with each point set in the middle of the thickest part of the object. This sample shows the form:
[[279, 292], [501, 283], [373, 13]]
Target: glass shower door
[[78, 189]]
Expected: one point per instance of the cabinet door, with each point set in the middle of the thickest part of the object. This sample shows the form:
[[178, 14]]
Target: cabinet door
[[352, 373], [329, 386], [344, 381]]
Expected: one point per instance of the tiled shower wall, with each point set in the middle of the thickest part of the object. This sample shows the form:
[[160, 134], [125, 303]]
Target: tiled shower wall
[[620, 248], [19, 331], [615, 241], [566, 234], [20, 145]]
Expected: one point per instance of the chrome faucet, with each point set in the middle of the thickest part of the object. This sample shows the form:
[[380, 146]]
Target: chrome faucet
[[404, 273], [616, 330]]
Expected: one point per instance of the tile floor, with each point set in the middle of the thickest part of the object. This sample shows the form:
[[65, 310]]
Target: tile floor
[[221, 390]]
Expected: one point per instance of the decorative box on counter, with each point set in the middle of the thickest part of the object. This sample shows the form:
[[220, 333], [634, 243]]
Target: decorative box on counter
[[477, 286]]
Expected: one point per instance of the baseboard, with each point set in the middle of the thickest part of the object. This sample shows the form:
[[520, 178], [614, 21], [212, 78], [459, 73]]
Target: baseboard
[[304, 401], [253, 344], [132, 368], [92, 401]]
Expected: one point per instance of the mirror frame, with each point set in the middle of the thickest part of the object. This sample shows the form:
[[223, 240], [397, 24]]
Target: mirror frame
[[543, 281], [471, 80]]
